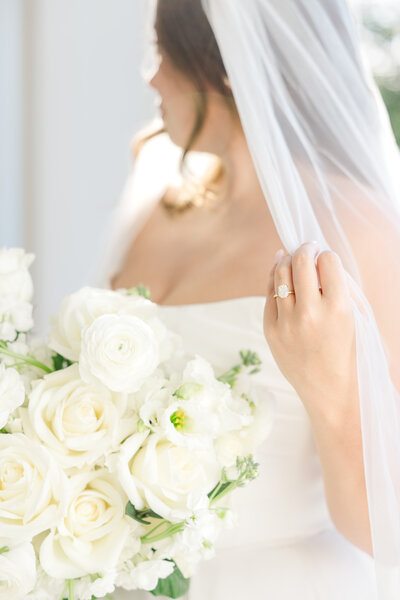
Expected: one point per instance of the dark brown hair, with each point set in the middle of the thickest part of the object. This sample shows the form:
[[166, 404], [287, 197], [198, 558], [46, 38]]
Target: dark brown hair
[[184, 33]]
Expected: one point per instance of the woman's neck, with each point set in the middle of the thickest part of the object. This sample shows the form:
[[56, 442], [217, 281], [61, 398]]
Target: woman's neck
[[242, 190]]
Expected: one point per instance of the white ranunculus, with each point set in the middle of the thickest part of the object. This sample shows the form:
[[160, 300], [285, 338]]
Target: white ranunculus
[[120, 352], [78, 421], [12, 393], [79, 310], [32, 489], [143, 575], [93, 532], [15, 279], [17, 572], [162, 476]]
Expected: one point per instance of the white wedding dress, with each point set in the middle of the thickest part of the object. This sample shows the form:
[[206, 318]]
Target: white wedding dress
[[285, 546]]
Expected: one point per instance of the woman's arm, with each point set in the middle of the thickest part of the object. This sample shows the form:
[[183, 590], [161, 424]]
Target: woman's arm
[[312, 337]]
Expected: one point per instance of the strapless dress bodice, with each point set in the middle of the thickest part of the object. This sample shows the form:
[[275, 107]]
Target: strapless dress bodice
[[287, 499], [285, 545]]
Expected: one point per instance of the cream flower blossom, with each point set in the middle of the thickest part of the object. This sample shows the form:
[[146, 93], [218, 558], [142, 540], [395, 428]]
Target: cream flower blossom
[[80, 309], [143, 575], [120, 352], [90, 537], [154, 473], [17, 572], [78, 422], [12, 392], [16, 290], [32, 489]]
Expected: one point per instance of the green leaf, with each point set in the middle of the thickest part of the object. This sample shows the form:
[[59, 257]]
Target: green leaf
[[140, 515], [173, 586], [250, 358], [139, 290], [60, 362]]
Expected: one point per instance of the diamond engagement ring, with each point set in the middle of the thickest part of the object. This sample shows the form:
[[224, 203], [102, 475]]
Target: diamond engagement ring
[[283, 291]]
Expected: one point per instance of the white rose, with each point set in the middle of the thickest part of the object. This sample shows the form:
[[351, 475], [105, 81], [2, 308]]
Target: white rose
[[163, 476], [120, 352], [17, 572], [143, 575], [93, 532], [79, 310], [32, 489], [15, 279], [12, 393], [79, 422]]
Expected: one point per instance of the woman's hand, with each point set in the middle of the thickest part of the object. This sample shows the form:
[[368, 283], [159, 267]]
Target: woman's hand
[[311, 333]]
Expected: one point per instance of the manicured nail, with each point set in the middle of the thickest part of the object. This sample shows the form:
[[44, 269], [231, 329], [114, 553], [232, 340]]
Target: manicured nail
[[278, 256]]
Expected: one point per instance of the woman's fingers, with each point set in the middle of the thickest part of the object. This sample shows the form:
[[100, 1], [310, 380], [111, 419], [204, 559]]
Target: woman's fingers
[[305, 275], [332, 276], [283, 277], [271, 310]]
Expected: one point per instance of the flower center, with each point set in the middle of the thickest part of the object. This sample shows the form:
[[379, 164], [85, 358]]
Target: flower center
[[88, 509], [80, 417], [10, 473], [178, 419]]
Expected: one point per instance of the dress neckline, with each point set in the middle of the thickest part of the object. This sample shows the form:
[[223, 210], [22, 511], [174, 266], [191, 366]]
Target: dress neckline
[[212, 303]]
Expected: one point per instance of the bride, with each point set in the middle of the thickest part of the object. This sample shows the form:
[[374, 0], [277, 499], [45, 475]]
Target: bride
[[197, 230]]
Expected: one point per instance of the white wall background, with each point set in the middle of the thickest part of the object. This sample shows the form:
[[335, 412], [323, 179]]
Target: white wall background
[[11, 123], [74, 98], [71, 97]]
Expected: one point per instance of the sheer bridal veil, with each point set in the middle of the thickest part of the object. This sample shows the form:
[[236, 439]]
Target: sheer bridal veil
[[329, 167], [326, 157]]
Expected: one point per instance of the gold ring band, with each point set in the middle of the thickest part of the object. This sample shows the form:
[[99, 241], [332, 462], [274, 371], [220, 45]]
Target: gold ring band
[[283, 291], [278, 296]]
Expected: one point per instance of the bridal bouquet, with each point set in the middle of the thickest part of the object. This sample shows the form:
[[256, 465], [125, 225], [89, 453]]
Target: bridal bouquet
[[117, 451]]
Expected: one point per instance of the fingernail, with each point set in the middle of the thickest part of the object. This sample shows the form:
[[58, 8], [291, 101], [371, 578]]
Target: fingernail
[[278, 256]]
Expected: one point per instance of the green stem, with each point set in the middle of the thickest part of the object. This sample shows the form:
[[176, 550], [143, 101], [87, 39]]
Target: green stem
[[15, 365], [25, 359], [175, 528], [64, 591], [149, 533], [71, 595], [215, 492], [229, 488]]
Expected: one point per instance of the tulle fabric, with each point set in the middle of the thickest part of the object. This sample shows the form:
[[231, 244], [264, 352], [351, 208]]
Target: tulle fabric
[[329, 167]]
